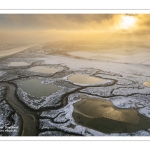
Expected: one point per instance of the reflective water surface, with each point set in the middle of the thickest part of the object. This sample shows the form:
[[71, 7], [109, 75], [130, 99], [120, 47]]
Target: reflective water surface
[[147, 83], [84, 79], [42, 69], [34, 87], [19, 64], [102, 115]]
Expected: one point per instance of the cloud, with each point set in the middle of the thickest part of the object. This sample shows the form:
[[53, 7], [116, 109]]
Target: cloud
[[59, 22], [54, 27]]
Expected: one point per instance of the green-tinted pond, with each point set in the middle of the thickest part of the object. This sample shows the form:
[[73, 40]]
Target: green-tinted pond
[[84, 79], [34, 87], [42, 69], [103, 116]]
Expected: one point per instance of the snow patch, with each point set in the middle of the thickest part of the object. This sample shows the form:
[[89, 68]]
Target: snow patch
[[141, 133], [2, 73], [145, 111]]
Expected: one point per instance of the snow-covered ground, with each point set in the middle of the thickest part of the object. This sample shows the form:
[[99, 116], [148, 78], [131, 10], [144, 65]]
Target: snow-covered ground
[[125, 74], [120, 68], [2, 73], [4, 53], [62, 120], [138, 58], [128, 92], [9, 120]]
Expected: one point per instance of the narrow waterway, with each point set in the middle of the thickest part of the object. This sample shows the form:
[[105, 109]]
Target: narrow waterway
[[28, 115], [30, 124]]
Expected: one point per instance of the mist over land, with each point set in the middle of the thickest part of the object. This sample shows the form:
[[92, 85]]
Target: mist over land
[[75, 75]]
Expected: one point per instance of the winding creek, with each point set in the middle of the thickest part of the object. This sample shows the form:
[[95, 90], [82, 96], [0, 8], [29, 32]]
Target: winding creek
[[29, 118], [28, 115]]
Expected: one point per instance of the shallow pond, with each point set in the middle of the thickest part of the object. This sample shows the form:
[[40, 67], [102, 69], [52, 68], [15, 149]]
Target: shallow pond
[[19, 64], [84, 79], [103, 116], [42, 69], [34, 87], [147, 83]]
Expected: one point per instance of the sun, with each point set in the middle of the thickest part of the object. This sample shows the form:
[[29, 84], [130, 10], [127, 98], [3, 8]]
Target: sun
[[127, 22]]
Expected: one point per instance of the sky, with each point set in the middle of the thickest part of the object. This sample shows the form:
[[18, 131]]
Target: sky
[[39, 28]]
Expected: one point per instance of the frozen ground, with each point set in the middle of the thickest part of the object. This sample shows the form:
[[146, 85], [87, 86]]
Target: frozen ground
[[53, 100], [142, 57], [9, 120], [62, 120], [126, 89], [3, 53], [2, 73]]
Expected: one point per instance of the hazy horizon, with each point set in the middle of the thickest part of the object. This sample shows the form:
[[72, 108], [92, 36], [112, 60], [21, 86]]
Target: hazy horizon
[[41, 28]]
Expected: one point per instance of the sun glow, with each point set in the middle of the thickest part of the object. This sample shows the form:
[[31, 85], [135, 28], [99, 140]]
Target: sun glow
[[127, 22]]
